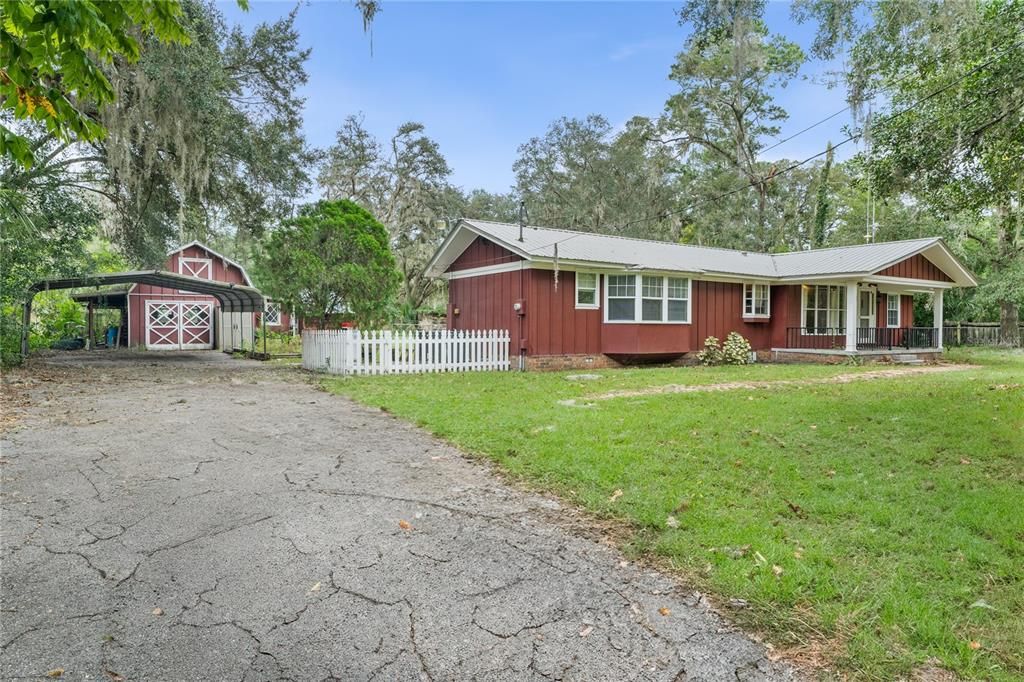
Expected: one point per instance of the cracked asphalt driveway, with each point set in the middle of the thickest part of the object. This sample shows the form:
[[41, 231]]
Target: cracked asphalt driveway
[[192, 517]]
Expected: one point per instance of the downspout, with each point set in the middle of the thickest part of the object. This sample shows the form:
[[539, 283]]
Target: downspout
[[522, 350]]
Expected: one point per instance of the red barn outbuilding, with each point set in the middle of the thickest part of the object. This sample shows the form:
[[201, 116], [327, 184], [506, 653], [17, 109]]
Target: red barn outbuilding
[[575, 299], [170, 319]]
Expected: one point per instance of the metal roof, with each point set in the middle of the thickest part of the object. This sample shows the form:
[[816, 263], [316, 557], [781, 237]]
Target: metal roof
[[234, 298], [538, 244]]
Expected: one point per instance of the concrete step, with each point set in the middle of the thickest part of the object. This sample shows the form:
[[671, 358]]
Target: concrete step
[[904, 359]]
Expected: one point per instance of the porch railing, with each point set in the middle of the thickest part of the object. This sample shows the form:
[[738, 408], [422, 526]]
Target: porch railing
[[868, 338]]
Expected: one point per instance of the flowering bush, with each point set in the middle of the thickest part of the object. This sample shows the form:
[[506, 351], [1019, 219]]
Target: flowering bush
[[712, 353], [736, 350]]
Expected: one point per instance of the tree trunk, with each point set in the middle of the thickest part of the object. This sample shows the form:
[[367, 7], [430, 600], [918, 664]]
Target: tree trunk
[[1009, 319], [1009, 323]]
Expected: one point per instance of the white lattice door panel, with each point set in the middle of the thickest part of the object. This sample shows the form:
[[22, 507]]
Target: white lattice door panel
[[196, 320], [162, 325], [177, 325]]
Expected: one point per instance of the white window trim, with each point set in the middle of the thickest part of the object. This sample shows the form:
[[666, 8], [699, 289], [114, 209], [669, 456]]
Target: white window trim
[[183, 259], [190, 259], [803, 311], [899, 310], [638, 298], [597, 291], [266, 314], [752, 315]]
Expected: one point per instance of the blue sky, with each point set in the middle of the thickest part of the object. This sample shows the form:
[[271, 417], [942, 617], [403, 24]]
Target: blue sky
[[484, 77]]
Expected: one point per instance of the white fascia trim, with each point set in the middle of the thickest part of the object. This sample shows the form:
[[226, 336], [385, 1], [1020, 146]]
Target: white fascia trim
[[438, 263], [486, 270], [952, 262], [822, 278], [907, 282]]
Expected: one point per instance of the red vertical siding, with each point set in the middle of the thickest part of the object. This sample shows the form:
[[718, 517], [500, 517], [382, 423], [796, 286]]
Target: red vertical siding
[[486, 303], [916, 267], [785, 312], [480, 253], [222, 271], [551, 324], [906, 311]]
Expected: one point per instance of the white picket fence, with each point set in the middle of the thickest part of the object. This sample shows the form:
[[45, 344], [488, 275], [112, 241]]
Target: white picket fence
[[351, 351]]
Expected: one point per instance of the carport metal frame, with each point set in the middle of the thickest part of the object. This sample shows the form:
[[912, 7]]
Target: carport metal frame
[[233, 298]]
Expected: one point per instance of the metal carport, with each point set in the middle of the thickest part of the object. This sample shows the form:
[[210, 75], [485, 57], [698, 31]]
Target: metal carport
[[233, 298]]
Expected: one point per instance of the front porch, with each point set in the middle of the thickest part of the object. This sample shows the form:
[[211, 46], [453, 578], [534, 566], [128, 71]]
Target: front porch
[[864, 339], [862, 319]]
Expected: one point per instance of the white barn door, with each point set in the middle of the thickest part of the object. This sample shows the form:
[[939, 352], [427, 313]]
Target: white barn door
[[179, 325]]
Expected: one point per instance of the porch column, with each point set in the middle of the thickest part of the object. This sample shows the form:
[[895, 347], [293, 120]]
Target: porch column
[[937, 314], [851, 316]]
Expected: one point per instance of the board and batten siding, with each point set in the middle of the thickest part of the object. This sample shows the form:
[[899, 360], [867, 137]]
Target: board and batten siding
[[916, 267], [140, 293], [481, 253], [551, 325]]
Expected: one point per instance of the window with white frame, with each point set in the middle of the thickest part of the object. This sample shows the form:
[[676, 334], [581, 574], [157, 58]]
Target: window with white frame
[[824, 309], [657, 298], [756, 300], [272, 314], [586, 290], [892, 310], [652, 299], [678, 299], [621, 297]]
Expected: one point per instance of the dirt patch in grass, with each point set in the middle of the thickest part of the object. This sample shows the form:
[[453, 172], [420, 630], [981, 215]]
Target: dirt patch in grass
[[749, 385]]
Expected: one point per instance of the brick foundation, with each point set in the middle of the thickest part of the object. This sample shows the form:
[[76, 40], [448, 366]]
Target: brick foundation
[[557, 362], [580, 362], [930, 357]]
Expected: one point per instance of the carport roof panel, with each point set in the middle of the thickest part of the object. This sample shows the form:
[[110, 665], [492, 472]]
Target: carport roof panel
[[234, 298]]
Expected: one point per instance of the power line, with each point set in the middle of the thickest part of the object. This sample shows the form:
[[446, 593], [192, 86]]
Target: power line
[[848, 139], [797, 164], [848, 107]]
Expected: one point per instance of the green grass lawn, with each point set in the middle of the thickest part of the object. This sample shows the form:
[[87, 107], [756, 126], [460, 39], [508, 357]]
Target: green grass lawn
[[879, 523]]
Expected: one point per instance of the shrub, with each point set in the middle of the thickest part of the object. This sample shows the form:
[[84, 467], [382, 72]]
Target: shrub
[[712, 353], [736, 350]]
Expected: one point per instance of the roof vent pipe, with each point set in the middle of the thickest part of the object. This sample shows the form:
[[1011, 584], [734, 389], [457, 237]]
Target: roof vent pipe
[[522, 217]]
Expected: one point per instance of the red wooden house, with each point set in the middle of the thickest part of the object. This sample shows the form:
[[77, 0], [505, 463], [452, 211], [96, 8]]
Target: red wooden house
[[574, 299]]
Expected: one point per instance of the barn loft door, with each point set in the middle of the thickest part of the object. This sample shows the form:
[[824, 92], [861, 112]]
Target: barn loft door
[[179, 325], [196, 267]]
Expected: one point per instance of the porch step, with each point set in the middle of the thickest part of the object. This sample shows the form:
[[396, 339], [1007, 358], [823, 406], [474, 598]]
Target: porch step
[[904, 359]]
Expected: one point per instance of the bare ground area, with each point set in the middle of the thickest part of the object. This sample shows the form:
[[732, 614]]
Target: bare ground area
[[187, 516], [891, 373]]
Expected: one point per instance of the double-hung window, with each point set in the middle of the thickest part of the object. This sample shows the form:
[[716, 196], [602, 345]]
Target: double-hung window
[[621, 297], [824, 309], [756, 300], [678, 299], [892, 310], [654, 298], [586, 290]]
